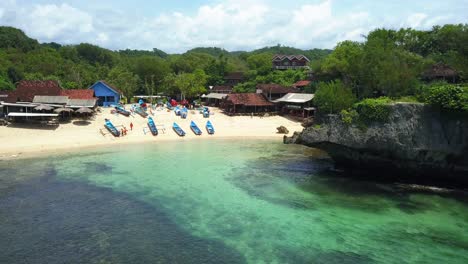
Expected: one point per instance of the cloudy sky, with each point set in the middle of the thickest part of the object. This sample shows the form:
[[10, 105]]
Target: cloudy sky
[[178, 25]]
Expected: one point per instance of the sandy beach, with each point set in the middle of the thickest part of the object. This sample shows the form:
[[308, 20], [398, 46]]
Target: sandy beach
[[19, 141]]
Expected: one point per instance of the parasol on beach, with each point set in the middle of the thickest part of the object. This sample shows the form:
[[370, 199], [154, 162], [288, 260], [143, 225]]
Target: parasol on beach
[[62, 109], [43, 107], [84, 110]]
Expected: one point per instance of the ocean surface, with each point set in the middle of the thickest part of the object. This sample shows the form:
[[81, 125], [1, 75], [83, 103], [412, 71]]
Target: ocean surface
[[218, 201]]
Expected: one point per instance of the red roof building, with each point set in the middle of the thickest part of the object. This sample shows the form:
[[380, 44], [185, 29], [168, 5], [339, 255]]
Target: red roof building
[[26, 90], [247, 102], [301, 84], [83, 94]]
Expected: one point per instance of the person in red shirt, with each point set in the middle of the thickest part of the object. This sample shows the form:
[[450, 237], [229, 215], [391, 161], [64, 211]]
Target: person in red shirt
[[131, 126]]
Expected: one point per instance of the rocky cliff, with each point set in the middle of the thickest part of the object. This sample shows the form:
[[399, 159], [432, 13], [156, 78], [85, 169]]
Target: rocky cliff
[[418, 140]]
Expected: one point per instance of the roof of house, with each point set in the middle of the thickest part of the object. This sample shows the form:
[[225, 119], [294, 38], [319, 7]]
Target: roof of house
[[273, 88], [216, 96], [234, 76], [295, 98], [26, 90], [248, 99], [108, 85], [440, 70], [221, 88], [46, 99], [77, 103], [78, 93], [280, 57], [301, 83]]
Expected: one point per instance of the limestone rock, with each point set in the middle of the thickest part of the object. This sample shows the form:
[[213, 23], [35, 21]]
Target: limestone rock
[[282, 130], [417, 139]]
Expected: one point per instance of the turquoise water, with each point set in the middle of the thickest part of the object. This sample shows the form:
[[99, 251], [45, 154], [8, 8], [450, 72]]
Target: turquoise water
[[213, 201]]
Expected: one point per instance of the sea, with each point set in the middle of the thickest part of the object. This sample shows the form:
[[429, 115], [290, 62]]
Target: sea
[[218, 201]]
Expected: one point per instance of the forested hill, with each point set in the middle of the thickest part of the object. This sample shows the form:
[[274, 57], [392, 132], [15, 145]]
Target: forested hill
[[388, 62], [78, 66]]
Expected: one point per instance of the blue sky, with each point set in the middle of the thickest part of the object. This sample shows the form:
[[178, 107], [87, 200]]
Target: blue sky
[[178, 25]]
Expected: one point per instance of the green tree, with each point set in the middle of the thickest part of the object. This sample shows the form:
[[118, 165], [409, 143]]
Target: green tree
[[334, 96], [261, 63], [125, 80]]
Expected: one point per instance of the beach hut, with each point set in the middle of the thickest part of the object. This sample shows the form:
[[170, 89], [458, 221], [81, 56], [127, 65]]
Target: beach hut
[[107, 95], [247, 103]]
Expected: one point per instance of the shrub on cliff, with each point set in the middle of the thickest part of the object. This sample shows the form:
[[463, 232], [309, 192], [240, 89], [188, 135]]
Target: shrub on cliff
[[334, 96], [447, 96], [371, 109]]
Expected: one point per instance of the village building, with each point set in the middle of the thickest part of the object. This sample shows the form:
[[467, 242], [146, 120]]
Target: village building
[[441, 72], [107, 95], [37, 99], [274, 91], [234, 78], [224, 89], [214, 99], [301, 85], [296, 104], [247, 103], [287, 62]]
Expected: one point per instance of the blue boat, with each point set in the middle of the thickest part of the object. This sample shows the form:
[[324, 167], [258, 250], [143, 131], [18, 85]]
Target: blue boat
[[114, 131], [184, 113], [169, 106], [178, 130], [122, 111], [177, 111], [140, 111], [195, 128], [206, 113], [152, 126], [209, 128]]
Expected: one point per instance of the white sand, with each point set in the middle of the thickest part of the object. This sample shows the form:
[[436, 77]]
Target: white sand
[[18, 141]]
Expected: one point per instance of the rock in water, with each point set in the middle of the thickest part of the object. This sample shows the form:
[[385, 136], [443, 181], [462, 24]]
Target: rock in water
[[282, 130], [417, 140]]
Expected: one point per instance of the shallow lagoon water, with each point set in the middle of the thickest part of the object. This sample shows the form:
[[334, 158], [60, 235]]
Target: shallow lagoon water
[[217, 201]]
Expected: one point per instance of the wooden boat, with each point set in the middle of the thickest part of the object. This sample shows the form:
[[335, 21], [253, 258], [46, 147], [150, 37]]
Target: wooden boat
[[178, 130], [141, 112], [114, 131], [122, 111], [152, 126], [195, 128], [209, 128]]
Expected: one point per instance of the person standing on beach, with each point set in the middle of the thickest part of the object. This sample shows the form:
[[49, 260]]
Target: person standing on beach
[[131, 126]]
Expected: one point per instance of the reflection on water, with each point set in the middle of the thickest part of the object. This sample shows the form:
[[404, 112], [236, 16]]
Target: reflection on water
[[217, 202]]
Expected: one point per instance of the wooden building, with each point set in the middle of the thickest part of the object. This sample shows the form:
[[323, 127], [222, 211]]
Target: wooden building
[[293, 62], [234, 78], [296, 104], [441, 71], [223, 89], [247, 103], [274, 91]]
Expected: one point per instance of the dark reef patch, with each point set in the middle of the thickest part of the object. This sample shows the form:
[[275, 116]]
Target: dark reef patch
[[50, 221]]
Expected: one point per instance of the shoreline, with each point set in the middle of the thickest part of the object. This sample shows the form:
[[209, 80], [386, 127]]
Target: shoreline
[[24, 141], [52, 151]]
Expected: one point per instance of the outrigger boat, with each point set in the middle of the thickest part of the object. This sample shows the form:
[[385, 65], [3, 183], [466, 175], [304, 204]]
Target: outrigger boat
[[141, 112], [195, 128], [209, 128], [178, 130], [152, 126], [114, 131], [122, 111]]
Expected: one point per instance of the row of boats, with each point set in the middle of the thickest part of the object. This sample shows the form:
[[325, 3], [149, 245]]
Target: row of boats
[[154, 130]]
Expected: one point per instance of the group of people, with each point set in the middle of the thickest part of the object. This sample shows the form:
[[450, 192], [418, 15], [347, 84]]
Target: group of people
[[123, 130]]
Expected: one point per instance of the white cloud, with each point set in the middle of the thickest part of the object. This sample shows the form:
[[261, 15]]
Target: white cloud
[[416, 20], [230, 24]]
